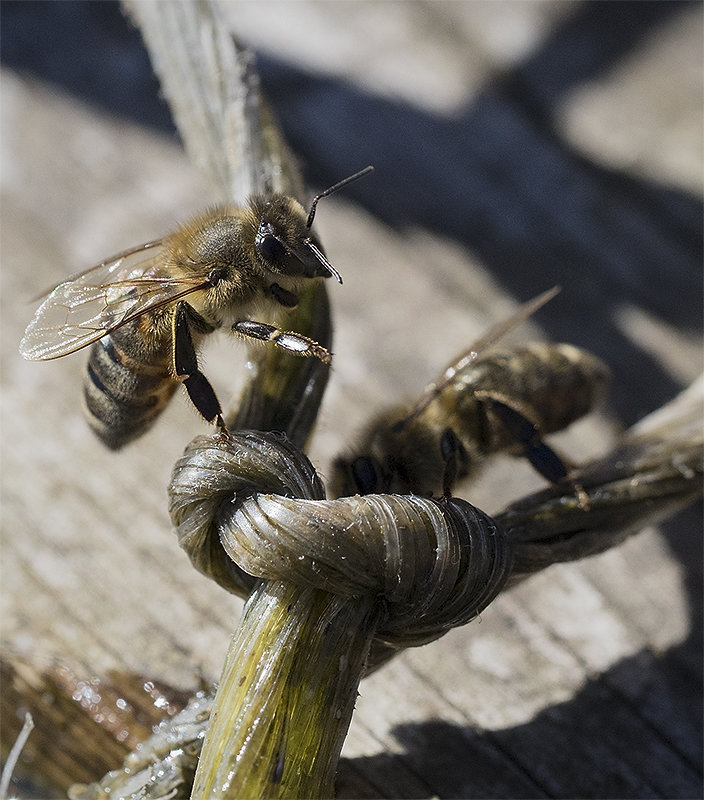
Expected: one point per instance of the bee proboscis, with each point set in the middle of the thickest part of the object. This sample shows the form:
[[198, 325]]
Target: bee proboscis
[[145, 310]]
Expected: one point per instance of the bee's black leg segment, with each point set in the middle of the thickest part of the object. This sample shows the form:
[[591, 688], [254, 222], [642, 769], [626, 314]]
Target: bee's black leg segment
[[185, 363], [295, 343], [204, 398], [546, 461], [541, 456], [184, 355], [283, 296], [455, 458]]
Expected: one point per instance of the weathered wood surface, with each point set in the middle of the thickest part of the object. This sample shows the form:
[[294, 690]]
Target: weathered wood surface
[[517, 146]]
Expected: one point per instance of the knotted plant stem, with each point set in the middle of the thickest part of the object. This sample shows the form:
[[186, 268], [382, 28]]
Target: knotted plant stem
[[325, 578], [219, 514], [287, 691], [286, 694]]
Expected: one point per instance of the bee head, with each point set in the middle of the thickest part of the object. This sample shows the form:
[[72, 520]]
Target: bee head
[[284, 242]]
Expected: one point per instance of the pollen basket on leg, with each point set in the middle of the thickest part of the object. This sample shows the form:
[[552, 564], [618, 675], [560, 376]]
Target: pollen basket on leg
[[294, 343]]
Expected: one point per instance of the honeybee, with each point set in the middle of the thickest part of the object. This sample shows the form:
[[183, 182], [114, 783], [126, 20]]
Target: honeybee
[[482, 403], [146, 310]]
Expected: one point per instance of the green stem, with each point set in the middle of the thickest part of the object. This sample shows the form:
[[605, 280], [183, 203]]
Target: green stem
[[286, 695]]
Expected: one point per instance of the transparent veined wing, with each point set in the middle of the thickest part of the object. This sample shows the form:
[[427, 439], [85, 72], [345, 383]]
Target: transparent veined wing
[[472, 353], [89, 305], [110, 265]]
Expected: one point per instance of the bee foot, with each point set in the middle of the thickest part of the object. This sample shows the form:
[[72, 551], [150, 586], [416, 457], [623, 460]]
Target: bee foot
[[582, 496], [223, 432]]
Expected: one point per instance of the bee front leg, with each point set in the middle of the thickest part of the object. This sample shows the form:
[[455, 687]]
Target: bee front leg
[[185, 363], [454, 457], [295, 343], [282, 296]]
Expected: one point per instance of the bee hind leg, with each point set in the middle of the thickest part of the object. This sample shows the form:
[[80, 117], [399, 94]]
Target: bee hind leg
[[526, 433], [185, 363], [541, 456], [551, 466], [292, 342]]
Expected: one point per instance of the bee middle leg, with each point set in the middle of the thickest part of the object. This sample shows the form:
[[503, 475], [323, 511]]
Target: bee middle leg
[[295, 343], [185, 362]]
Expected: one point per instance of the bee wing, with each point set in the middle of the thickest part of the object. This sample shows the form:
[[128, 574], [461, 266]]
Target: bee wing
[[89, 305], [114, 262], [460, 364]]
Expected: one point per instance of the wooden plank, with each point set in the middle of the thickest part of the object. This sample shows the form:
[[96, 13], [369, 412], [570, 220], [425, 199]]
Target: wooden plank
[[584, 681]]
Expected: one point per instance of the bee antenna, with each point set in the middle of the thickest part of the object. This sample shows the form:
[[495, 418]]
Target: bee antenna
[[333, 189]]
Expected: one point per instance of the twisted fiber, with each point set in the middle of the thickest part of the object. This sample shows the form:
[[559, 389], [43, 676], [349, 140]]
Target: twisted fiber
[[213, 476], [252, 506]]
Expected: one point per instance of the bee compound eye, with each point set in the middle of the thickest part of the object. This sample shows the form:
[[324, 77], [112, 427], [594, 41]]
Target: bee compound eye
[[270, 248], [365, 475]]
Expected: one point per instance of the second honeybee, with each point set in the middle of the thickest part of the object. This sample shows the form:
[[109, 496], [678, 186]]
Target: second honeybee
[[504, 402]]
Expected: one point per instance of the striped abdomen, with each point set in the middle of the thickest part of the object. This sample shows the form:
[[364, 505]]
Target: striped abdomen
[[124, 388], [553, 385]]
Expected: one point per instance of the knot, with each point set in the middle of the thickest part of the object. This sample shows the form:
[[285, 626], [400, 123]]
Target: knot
[[214, 476], [252, 506]]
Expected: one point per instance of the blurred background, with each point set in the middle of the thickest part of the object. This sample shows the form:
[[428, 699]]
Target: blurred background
[[517, 145]]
